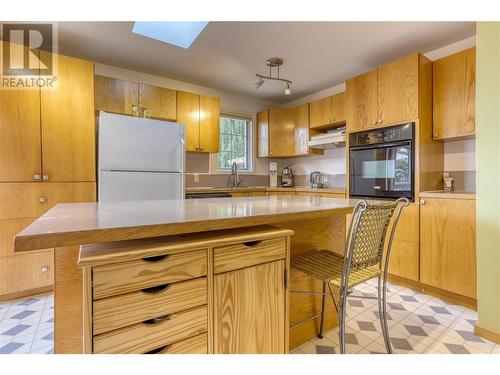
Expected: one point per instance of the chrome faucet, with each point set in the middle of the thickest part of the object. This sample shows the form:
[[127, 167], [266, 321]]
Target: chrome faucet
[[234, 173]]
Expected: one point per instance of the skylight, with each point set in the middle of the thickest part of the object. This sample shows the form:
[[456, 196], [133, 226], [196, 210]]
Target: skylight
[[180, 34]]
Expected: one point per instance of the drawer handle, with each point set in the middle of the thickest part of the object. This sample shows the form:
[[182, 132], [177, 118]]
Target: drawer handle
[[157, 320], [157, 350], [156, 289], [251, 243], [156, 258]]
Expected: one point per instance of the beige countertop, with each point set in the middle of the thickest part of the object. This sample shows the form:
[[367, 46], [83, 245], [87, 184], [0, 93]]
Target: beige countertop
[[456, 194], [84, 223], [265, 188]]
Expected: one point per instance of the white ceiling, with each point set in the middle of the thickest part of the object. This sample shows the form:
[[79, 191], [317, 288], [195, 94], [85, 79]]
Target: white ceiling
[[227, 55]]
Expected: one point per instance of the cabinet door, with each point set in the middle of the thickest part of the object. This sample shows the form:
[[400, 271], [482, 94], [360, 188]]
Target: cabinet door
[[398, 91], [161, 102], [20, 200], [301, 124], [362, 99], [188, 114], [26, 271], [209, 123], [249, 310], [448, 244], [281, 132], [68, 129], [263, 134], [404, 258], [454, 96], [20, 153], [321, 112], [115, 95], [339, 107]]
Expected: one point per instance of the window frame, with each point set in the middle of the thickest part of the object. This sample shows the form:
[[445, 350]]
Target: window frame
[[249, 145]]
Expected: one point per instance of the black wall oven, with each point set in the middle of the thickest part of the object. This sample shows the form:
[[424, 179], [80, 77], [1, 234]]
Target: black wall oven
[[381, 162]]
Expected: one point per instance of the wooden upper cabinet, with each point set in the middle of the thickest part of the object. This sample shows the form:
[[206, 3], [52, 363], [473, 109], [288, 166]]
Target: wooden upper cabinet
[[209, 123], [362, 101], [321, 112], [263, 134], [398, 90], [67, 118], [281, 132], [249, 310], [448, 244], [188, 114], [115, 95], [326, 111], [454, 97], [20, 153], [160, 102], [339, 106], [301, 125]]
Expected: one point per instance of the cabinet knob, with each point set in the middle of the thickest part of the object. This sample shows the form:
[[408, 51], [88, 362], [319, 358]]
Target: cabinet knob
[[379, 121], [146, 113], [37, 177], [135, 109], [45, 177], [435, 135], [201, 148], [422, 201], [270, 152], [374, 122], [42, 199]]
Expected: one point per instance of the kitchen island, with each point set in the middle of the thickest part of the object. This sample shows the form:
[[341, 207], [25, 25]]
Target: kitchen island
[[317, 223]]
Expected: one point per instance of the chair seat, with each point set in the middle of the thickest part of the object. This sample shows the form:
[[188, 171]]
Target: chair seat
[[327, 266]]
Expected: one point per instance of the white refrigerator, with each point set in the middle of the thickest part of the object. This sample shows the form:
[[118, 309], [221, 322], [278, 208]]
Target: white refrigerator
[[139, 159]]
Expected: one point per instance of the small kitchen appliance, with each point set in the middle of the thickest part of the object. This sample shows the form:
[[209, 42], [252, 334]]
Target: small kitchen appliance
[[273, 174], [315, 179], [287, 177]]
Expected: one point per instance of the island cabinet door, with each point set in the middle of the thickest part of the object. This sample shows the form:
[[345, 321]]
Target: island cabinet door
[[249, 310]]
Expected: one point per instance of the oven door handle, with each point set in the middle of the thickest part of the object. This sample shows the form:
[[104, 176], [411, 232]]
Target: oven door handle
[[381, 145]]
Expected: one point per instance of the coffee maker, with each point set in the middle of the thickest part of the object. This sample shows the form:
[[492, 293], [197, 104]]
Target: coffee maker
[[287, 177]]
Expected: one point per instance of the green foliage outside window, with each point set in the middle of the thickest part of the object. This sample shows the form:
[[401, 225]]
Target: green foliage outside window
[[234, 143]]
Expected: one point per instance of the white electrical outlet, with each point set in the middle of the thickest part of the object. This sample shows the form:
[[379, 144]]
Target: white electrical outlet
[[196, 177], [45, 269], [324, 178]]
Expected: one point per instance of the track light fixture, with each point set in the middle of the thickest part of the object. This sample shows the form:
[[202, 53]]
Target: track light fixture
[[274, 62]]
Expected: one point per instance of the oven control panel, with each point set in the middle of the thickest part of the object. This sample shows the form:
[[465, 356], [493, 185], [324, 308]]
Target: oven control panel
[[390, 134]]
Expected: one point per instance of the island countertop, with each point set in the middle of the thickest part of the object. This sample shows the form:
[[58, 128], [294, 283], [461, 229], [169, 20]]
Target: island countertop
[[86, 223]]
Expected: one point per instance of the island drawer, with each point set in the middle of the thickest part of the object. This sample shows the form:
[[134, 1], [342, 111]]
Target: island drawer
[[193, 345], [149, 336], [135, 307], [246, 254], [118, 278]]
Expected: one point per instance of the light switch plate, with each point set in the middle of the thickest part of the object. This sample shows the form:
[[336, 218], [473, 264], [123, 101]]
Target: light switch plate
[[196, 177], [324, 178]]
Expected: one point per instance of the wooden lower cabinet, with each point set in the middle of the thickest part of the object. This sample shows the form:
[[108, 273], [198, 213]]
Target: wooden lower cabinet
[[24, 272], [249, 310], [215, 292], [448, 245]]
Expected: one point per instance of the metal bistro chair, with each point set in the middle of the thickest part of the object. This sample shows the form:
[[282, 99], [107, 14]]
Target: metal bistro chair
[[364, 249]]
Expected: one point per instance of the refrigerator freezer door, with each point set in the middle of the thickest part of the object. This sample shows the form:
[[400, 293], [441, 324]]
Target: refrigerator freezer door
[[136, 186], [137, 144]]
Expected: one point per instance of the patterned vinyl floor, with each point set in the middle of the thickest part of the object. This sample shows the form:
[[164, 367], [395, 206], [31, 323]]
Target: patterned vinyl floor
[[418, 323]]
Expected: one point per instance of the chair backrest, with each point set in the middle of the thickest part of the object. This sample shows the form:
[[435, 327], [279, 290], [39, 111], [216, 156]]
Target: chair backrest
[[367, 232]]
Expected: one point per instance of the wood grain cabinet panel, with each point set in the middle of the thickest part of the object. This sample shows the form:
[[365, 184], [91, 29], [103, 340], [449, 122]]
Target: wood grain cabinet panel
[[67, 117], [398, 90], [321, 112], [362, 101], [160, 102], [448, 244], [152, 337], [249, 310], [454, 95], [26, 271], [188, 114], [263, 134], [123, 277], [339, 106], [281, 132], [193, 345], [115, 95], [301, 124], [20, 152], [209, 123]]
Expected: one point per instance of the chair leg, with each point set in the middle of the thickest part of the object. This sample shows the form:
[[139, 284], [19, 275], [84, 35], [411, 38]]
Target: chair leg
[[382, 313], [342, 308], [322, 311]]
